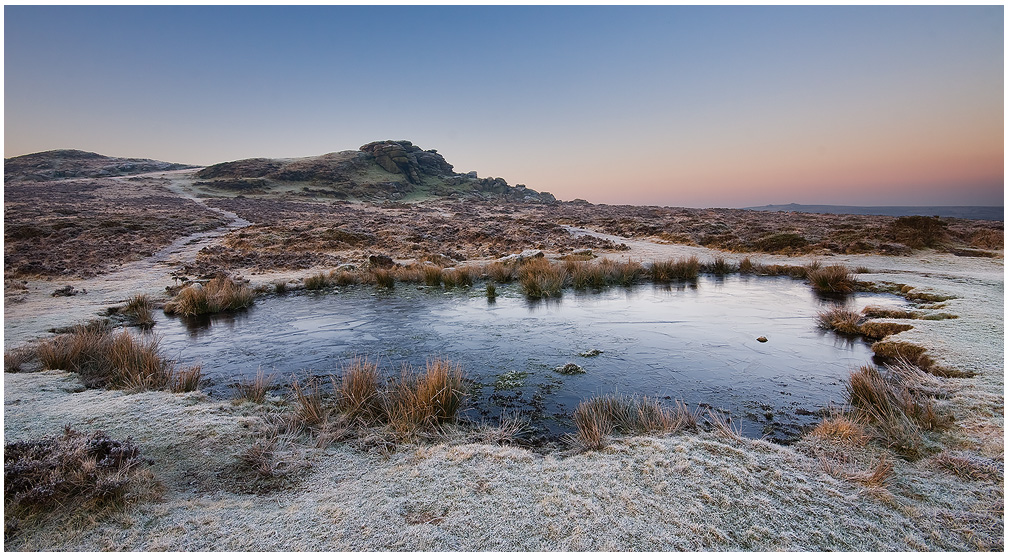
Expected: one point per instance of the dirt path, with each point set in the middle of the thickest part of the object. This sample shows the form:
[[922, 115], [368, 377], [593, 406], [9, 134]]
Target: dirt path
[[40, 311]]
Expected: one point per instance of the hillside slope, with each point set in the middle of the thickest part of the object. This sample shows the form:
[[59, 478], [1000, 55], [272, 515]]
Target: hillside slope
[[378, 171], [71, 163]]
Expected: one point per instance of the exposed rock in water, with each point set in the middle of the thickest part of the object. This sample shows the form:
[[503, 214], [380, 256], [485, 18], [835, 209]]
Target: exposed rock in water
[[524, 256]]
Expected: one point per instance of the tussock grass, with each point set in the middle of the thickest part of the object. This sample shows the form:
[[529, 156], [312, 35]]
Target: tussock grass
[[423, 401], [16, 358], [280, 287], [139, 309], [622, 273], [458, 276], [898, 413], [345, 278], [317, 281], [491, 291], [69, 471], [219, 294], [842, 428], [105, 359], [918, 231], [310, 409], [501, 273], [432, 275], [719, 267], [599, 416], [877, 312], [541, 279], [383, 278], [840, 319], [675, 269], [593, 425], [256, 389], [358, 390], [877, 330], [746, 266], [833, 279], [585, 275], [187, 379], [410, 273]]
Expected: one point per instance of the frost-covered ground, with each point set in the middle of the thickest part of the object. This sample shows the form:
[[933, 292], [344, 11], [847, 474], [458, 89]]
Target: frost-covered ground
[[693, 491]]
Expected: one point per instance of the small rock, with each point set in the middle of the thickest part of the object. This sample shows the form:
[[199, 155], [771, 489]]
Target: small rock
[[761, 339], [380, 261], [66, 291], [591, 353], [569, 369]]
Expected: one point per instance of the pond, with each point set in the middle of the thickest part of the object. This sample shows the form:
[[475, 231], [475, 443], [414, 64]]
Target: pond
[[695, 342]]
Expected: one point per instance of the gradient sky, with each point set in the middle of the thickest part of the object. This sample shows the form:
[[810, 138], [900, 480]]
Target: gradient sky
[[669, 105]]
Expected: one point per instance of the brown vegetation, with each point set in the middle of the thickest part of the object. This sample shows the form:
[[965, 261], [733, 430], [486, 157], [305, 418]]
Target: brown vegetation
[[840, 319], [72, 471], [597, 417], [541, 279], [679, 269], [219, 294], [833, 279], [255, 390]]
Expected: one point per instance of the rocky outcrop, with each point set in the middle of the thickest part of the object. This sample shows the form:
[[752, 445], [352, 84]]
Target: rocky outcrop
[[403, 157]]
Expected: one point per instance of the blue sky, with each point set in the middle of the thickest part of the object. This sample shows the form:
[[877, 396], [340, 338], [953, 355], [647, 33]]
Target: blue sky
[[672, 105]]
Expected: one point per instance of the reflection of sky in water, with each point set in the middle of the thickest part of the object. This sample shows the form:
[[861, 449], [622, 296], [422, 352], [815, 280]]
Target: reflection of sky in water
[[691, 342]]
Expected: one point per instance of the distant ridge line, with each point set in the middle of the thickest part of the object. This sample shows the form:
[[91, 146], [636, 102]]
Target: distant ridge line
[[961, 211]]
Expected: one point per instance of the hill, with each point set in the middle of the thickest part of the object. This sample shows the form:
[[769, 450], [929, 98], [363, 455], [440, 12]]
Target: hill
[[71, 163], [381, 170], [962, 212]]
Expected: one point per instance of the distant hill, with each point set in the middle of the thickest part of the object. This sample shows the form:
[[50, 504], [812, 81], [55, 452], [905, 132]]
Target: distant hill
[[962, 212], [382, 170], [71, 163]]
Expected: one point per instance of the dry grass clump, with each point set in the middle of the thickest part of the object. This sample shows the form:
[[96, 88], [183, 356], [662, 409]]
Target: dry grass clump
[[424, 401], [187, 379], [597, 417], [255, 390], [432, 275], [720, 267], [898, 412], [140, 311], [500, 272], [364, 406], [383, 277], [358, 390], [458, 276], [833, 279], [541, 279], [746, 266], [219, 294], [685, 268], [840, 319], [491, 291], [878, 312], [16, 358], [409, 273], [840, 427], [344, 278], [317, 281], [623, 273], [70, 471], [967, 466], [105, 359], [586, 275], [877, 330]]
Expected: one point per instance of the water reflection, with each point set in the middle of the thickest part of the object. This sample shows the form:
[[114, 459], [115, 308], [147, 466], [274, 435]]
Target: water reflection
[[691, 341]]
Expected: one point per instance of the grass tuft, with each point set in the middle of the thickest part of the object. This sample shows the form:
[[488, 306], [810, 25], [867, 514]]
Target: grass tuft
[[837, 318], [219, 294], [358, 390], [679, 269], [833, 279], [597, 417], [877, 330], [383, 278], [140, 311], [423, 402], [255, 390], [541, 279], [501, 273], [720, 267], [432, 275], [187, 379]]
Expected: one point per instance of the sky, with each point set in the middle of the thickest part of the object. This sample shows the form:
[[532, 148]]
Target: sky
[[710, 106]]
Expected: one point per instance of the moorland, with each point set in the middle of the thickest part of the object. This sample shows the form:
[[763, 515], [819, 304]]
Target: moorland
[[111, 444]]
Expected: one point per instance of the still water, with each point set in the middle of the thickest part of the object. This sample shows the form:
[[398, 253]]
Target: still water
[[695, 342]]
